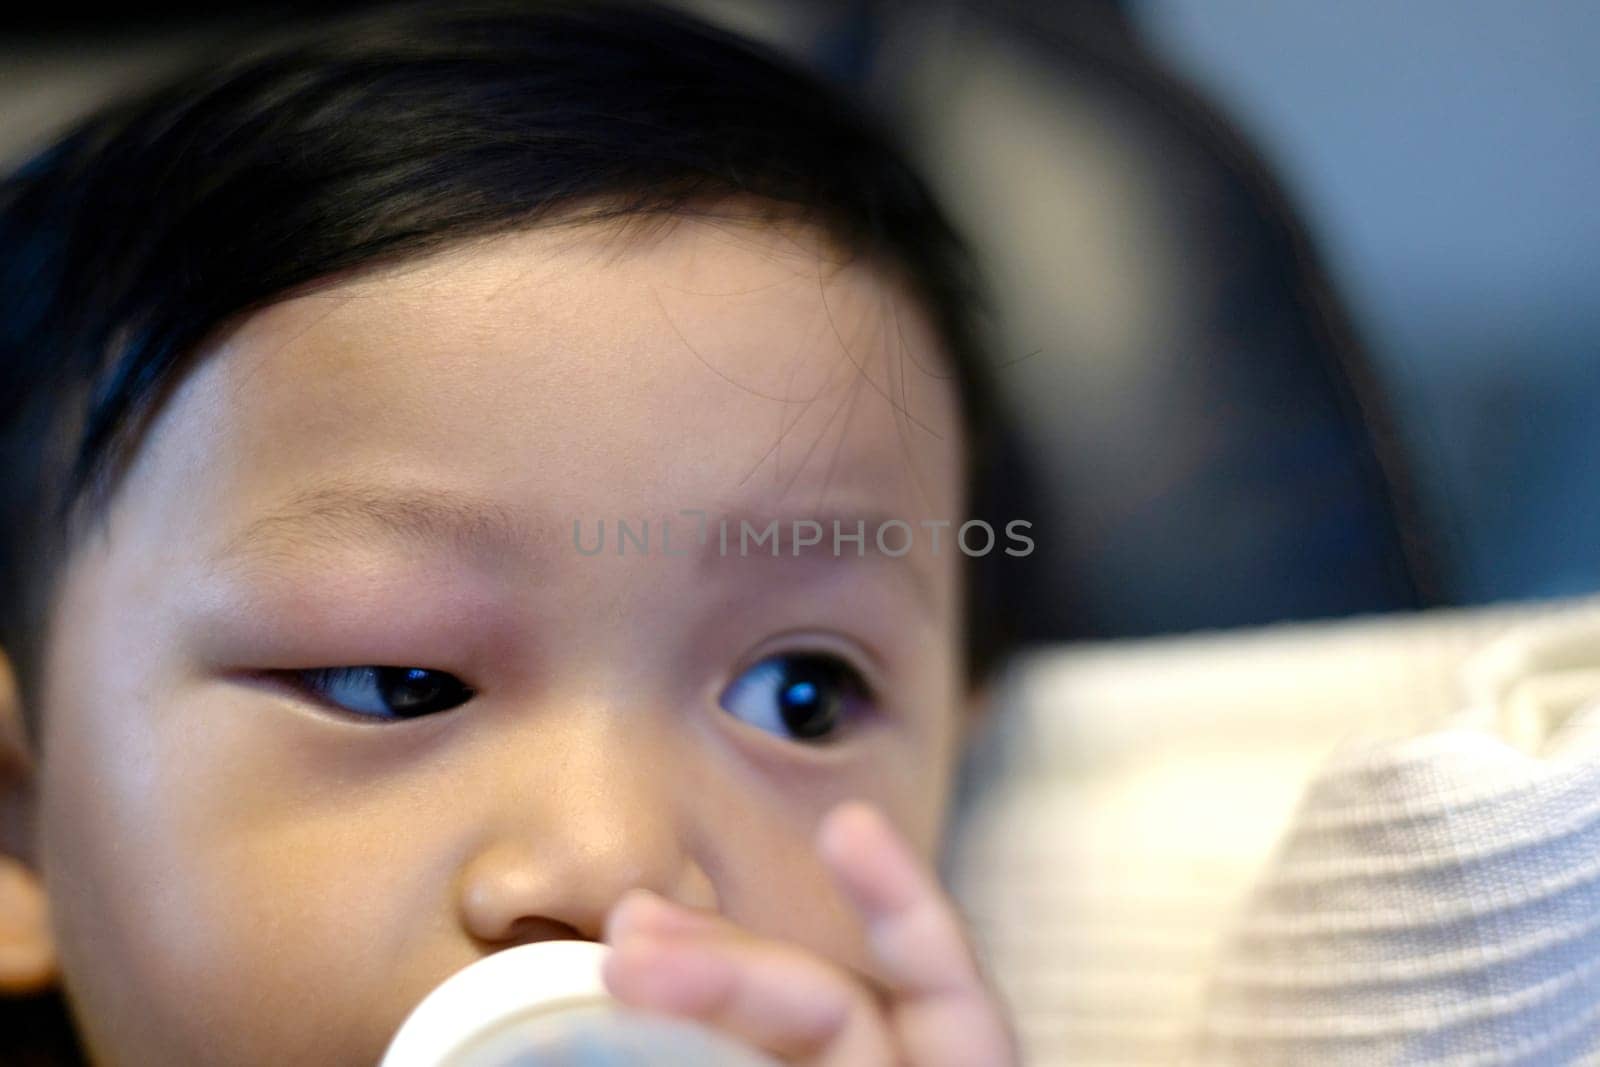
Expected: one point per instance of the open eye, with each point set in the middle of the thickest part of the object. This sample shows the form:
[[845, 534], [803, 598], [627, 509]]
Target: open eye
[[384, 692], [801, 696]]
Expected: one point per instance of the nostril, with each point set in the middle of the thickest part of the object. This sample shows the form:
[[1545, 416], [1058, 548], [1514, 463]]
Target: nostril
[[532, 928]]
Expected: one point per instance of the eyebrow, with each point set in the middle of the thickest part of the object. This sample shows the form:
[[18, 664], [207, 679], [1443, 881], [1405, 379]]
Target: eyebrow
[[908, 567], [434, 518], [426, 517]]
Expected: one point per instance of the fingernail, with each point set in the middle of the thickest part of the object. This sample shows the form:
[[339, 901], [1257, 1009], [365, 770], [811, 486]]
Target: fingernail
[[630, 914], [846, 824], [640, 969], [630, 967], [642, 911], [666, 974]]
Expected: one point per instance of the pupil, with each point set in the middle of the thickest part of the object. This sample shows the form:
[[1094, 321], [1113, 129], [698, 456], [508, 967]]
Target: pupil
[[810, 704], [404, 689]]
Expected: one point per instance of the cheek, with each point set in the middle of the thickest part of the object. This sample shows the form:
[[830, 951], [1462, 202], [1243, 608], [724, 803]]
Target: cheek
[[759, 839], [770, 881], [207, 896]]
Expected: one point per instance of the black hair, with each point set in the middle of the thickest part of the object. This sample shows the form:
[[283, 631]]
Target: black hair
[[382, 137]]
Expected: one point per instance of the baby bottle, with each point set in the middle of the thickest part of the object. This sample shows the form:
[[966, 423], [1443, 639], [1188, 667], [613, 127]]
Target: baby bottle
[[545, 1005]]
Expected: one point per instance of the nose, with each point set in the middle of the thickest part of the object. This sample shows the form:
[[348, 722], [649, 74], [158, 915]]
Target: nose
[[577, 818]]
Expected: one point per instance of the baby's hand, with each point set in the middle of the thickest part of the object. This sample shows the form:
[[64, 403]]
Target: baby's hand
[[934, 1010]]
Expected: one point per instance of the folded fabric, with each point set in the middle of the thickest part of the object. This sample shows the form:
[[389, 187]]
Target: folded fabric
[[1436, 897]]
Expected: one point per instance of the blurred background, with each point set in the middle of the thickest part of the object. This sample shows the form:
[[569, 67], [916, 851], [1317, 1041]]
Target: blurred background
[[1295, 300]]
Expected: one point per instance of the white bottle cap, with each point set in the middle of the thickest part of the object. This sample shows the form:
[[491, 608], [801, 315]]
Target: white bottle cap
[[500, 989]]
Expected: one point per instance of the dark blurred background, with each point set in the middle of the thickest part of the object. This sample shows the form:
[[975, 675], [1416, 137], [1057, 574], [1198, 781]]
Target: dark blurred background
[[1296, 299]]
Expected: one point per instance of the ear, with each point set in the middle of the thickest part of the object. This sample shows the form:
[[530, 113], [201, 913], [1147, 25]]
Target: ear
[[27, 949]]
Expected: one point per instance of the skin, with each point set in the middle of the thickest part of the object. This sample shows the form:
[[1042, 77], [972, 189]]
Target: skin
[[218, 866]]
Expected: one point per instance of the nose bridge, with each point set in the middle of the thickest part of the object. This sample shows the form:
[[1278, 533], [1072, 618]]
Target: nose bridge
[[581, 809]]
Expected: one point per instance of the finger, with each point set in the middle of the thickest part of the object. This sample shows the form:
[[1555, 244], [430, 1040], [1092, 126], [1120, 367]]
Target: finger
[[641, 911], [913, 930], [942, 1010], [773, 996]]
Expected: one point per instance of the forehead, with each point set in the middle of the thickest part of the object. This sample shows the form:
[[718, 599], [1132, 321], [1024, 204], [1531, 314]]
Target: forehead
[[570, 371]]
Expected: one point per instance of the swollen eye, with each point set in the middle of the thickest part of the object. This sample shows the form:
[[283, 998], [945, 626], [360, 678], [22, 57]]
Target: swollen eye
[[386, 692], [803, 697]]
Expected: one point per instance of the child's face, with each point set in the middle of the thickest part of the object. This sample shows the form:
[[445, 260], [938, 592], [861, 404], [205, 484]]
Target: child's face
[[388, 472]]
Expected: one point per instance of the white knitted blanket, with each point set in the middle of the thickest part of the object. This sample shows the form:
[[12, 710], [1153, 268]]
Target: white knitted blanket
[[1365, 842]]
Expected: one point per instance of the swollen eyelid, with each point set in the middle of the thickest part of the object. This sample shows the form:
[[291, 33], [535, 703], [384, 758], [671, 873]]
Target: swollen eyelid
[[390, 693]]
